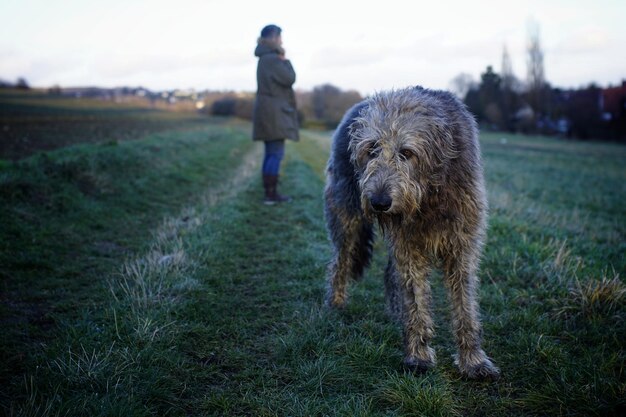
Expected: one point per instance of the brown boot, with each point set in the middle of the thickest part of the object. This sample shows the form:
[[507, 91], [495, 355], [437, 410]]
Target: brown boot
[[271, 194], [269, 190]]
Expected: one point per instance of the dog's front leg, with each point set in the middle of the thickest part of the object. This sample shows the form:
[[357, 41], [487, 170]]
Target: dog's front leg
[[418, 326], [461, 281]]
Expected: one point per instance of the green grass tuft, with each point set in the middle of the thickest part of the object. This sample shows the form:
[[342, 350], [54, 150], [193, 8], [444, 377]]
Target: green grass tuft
[[421, 396]]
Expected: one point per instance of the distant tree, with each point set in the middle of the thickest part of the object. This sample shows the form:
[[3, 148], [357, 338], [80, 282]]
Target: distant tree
[[305, 106], [490, 96], [506, 71], [472, 101], [493, 113], [490, 84], [614, 107], [584, 112], [224, 107], [238, 105], [485, 99], [22, 84], [536, 80], [301, 117], [461, 84], [55, 90], [346, 100], [322, 98], [508, 87], [329, 103], [244, 107]]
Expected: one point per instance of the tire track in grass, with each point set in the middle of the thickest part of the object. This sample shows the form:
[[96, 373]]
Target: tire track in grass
[[260, 342], [147, 293], [167, 264], [122, 359], [264, 263]]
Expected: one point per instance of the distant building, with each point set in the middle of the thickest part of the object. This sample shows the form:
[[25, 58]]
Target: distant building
[[614, 102], [614, 110]]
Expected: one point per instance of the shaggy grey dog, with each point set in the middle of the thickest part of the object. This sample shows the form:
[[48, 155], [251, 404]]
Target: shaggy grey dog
[[410, 160]]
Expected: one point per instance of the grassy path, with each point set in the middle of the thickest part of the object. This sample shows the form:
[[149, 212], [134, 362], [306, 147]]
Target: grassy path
[[218, 310], [69, 220]]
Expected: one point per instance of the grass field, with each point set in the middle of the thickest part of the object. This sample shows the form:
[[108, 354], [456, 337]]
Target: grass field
[[144, 278], [32, 121]]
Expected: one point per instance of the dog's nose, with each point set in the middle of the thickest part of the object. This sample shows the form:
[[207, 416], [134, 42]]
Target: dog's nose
[[381, 202]]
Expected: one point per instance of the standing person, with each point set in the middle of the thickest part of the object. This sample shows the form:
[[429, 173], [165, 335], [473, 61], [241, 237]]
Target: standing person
[[275, 117]]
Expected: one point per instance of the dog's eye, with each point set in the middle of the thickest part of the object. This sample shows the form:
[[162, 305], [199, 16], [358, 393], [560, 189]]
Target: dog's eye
[[407, 153], [372, 152]]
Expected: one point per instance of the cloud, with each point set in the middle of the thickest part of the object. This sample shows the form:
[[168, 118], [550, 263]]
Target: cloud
[[590, 39], [13, 64], [349, 56], [41, 70], [209, 45]]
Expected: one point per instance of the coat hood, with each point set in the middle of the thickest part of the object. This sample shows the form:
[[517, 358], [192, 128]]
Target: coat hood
[[265, 46]]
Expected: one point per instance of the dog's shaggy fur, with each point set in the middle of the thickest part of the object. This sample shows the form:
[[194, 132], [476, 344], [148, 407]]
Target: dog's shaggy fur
[[410, 160]]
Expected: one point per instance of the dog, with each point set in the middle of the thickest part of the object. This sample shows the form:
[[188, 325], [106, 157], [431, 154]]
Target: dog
[[409, 160]]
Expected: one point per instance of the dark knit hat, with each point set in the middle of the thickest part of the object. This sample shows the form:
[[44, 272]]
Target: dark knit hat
[[270, 30]]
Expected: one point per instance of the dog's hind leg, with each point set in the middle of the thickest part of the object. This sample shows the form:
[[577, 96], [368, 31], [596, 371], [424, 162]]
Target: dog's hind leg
[[352, 237], [393, 296]]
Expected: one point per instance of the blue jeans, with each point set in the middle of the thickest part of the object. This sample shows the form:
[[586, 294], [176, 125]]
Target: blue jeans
[[274, 152]]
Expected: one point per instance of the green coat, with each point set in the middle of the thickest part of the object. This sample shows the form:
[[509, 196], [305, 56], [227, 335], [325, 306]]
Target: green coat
[[275, 115]]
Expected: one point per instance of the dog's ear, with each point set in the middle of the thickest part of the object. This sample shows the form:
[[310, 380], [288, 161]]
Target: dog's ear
[[355, 128], [357, 120], [355, 132], [443, 151]]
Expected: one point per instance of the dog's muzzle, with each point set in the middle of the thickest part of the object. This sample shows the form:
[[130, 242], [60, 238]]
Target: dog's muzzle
[[381, 202]]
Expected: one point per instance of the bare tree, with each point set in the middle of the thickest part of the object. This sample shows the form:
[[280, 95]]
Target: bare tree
[[506, 72], [535, 71], [461, 84], [507, 85]]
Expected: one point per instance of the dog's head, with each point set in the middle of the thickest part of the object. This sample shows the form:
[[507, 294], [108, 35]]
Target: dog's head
[[400, 146]]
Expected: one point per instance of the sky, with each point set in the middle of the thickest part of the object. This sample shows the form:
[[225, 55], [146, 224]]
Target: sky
[[362, 45]]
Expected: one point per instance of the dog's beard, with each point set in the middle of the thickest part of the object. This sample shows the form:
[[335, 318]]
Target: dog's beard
[[388, 222], [406, 201]]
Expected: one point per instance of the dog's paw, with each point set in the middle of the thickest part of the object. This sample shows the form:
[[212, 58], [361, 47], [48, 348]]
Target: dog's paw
[[335, 303], [417, 366], [483, 370]]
